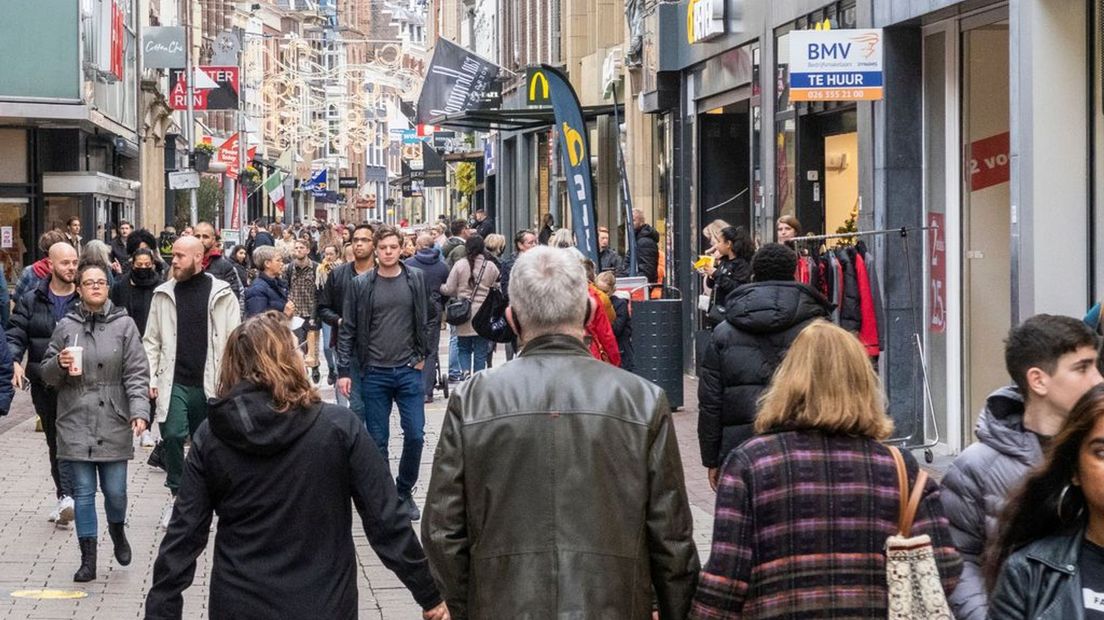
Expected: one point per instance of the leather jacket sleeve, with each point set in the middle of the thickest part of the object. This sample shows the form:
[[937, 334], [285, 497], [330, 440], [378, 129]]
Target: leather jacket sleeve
[[674, 558], [1009, 596], [185, 539], [710, 399], [444, 521], [347, 333], [326, 312]]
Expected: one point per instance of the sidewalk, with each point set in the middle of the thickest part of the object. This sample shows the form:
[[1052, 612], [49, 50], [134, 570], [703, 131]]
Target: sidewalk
[[34, 555]]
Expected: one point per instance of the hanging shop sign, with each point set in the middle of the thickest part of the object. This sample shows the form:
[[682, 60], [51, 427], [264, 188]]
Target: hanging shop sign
[[216, 88], [348, 182], [836, 65], [705, 20], [163, 47], [456, 81]]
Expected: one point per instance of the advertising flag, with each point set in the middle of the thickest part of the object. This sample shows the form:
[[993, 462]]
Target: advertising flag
[[456, 81], [576, 156]]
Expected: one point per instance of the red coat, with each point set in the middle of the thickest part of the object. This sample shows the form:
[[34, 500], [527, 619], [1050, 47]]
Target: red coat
[[603, 344]]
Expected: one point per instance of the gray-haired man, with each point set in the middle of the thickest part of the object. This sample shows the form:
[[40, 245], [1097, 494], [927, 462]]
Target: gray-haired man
[[544, 506]]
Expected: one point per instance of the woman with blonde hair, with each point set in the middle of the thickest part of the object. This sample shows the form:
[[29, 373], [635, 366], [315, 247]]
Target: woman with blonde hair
[[285, 545], [804, 509]]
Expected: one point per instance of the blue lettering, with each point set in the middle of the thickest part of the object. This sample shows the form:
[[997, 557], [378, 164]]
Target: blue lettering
[[814, 51], [818, 51]]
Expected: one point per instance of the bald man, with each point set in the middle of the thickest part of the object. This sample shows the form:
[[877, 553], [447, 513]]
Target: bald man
[[36, 314], [190, 318]]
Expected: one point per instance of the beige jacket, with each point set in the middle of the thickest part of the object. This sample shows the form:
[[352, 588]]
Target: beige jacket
[[459, 285], [161, 335]]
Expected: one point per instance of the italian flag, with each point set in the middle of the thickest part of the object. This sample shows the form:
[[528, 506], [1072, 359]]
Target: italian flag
[[274, 185]]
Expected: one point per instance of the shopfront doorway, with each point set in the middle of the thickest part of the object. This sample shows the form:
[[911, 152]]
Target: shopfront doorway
[[725, 167], [828, 172]]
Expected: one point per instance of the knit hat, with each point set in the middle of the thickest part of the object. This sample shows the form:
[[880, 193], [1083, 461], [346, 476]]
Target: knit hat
[[774, 261]]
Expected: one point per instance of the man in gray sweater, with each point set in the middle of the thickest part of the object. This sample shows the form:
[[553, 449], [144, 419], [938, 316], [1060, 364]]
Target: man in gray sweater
[[1052, 361]]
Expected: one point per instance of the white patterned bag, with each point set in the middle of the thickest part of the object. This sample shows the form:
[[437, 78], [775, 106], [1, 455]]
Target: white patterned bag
[[915, 591]]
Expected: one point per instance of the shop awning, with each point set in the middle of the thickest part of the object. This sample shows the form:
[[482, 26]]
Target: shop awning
[[513, 119]]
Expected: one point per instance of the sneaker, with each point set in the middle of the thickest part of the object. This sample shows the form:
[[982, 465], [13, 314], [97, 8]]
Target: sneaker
[[407, 505], [147, 439], [166, 514], [64, 511], [331, 378], [316, 376]]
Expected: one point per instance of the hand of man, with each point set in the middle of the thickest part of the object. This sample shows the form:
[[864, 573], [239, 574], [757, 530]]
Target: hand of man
[[714, 474], [289, 309], [65, 358], [440, 612], [153, 393], [420, 365], [139, 426], [344, 386], [18, 375]]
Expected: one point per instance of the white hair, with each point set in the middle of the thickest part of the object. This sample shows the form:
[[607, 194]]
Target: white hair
[[548, 291], [562, 238], [264, 253], [98, 251]]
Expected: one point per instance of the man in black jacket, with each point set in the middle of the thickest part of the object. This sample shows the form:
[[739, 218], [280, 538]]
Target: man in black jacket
[[484, 224], [331, 301], [608, 258], [436, 273], [215, 264], [538, 526], [647, 247], [384, 333], [119, 251], [32, 325], [762, 320]]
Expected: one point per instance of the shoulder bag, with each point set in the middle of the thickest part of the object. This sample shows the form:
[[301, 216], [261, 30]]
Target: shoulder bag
[[459, 310], [912, 577]]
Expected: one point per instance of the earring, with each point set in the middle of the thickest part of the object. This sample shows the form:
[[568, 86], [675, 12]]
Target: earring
[[1062, 502]]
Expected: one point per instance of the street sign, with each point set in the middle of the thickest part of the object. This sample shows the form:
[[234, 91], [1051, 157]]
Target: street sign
[[836, 65], [223, 96], [184, 179], [348, 182]]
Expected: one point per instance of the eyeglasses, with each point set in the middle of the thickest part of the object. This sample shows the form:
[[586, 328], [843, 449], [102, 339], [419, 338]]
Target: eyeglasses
[[94, 283]]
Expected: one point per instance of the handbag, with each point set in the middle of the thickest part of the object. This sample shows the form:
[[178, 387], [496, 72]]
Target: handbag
[[459, 310], [912, 577], [490, 322]]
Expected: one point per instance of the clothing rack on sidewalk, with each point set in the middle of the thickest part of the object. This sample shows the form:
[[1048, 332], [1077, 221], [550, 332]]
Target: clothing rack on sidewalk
[[929, 404]]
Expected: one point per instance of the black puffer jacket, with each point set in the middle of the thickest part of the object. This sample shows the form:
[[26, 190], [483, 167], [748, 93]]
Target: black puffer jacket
[[730, 275], [647, 252], [283, 485], [762, 320], [32, 326]]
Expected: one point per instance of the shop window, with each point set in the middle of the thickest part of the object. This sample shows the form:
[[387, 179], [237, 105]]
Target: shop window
[[12, 247]]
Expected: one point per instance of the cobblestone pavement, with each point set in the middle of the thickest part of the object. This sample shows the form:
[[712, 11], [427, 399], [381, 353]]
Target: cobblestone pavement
[[34, 555]]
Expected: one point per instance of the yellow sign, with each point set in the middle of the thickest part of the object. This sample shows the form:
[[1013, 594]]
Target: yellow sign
[[575, 147], [49, 595], [538, 84], [705, 20]]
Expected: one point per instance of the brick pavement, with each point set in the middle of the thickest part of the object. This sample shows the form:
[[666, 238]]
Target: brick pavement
[[36, 555]]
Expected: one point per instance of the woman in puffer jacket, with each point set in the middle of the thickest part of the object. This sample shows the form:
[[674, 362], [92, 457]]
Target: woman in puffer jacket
[[96, 362]]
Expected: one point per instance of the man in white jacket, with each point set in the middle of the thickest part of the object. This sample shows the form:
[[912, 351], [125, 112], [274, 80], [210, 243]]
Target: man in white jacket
[[191, 317]]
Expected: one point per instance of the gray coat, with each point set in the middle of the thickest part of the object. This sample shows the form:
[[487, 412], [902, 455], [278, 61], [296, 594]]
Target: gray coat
[[95, 409], [977, 485]]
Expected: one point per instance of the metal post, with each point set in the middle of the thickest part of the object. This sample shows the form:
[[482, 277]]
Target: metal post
[[193, 214]]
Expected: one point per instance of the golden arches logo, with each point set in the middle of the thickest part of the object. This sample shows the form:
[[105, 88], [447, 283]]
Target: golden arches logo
[[691, 35], [575, 147], [540, 80]]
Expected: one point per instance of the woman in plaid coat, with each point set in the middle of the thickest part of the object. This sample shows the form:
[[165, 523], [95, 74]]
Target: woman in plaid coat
[[804, 508]]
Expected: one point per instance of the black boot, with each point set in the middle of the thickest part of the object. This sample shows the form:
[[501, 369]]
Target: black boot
[[119, 539], [87, 570]]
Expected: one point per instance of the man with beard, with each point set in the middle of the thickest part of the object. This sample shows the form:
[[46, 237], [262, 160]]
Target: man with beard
[[213, 261], [185, 362], [32, 325]]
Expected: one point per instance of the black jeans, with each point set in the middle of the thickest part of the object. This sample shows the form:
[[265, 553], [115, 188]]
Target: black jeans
[[429, 372], [45, 404]]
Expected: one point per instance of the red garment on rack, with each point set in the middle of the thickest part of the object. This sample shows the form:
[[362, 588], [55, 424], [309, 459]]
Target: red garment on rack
[[802, 273], [868, 330]]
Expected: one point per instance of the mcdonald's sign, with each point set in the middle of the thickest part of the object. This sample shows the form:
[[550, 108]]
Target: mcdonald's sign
[[537, 93]]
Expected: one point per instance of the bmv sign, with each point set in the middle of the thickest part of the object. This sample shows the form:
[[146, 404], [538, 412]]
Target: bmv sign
[[836, 65]]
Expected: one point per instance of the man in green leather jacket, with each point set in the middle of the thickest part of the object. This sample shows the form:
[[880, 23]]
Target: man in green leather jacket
[[557, 488]]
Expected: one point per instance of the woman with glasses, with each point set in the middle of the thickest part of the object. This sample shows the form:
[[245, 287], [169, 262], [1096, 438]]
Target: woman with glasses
[[96, 363]]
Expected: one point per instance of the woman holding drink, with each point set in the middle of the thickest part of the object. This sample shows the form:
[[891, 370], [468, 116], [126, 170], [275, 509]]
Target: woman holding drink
[[96, 363]]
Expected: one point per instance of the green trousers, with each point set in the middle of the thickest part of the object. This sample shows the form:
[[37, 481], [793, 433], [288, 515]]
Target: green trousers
[[187, 410]]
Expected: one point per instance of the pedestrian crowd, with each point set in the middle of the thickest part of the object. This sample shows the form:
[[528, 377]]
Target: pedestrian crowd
[[557, 487]]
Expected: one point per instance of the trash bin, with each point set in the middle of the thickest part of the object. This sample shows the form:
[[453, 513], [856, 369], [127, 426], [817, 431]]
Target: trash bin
[[657, 343]]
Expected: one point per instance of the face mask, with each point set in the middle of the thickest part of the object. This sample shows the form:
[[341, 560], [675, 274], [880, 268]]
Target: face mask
[[144, 275]]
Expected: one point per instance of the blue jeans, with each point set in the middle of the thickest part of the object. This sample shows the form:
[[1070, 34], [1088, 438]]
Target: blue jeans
[[473, 353], [454, 354], [113, 481], [379, 389], [331, 361]]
